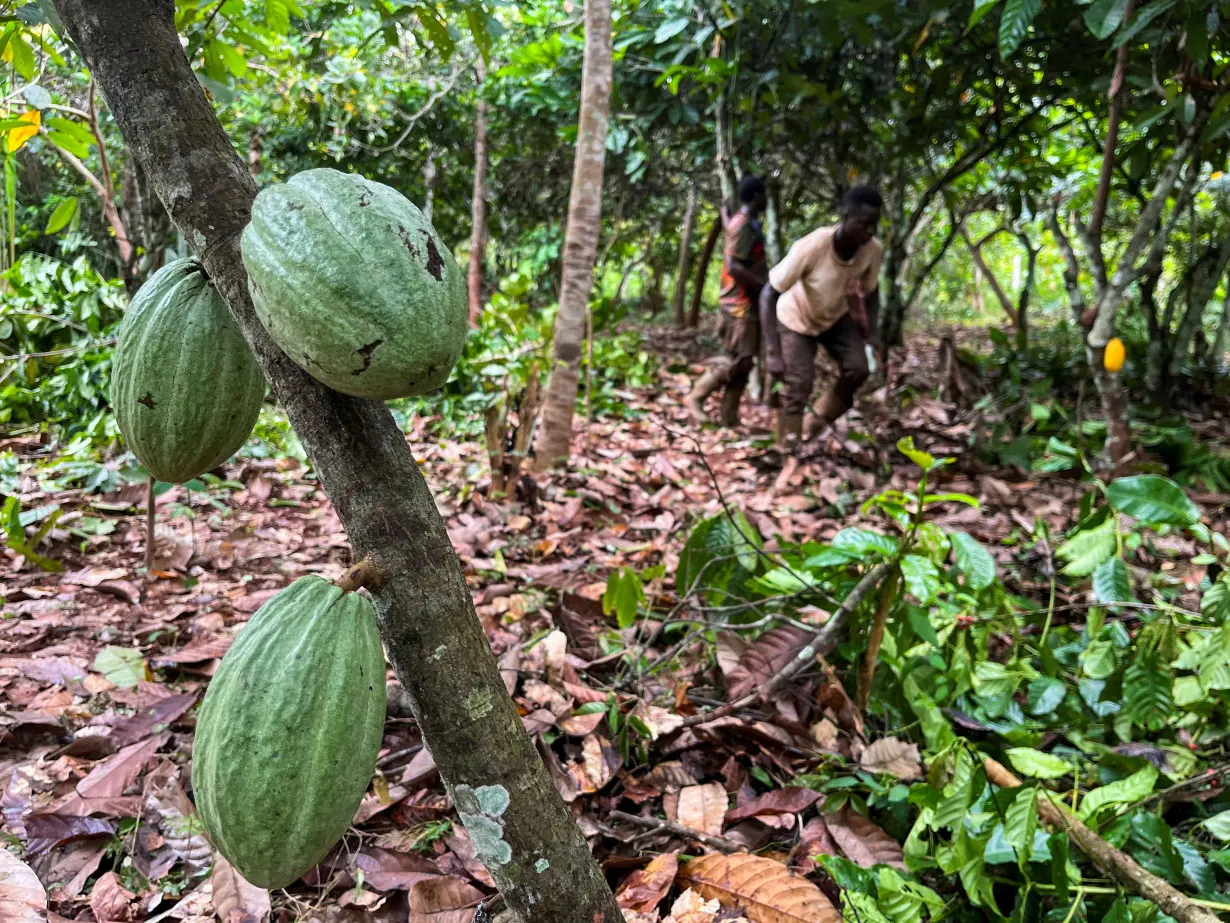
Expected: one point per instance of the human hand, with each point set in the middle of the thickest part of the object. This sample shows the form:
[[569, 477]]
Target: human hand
[[773, 362]]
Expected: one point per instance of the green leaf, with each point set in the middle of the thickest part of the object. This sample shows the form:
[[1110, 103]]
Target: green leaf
[[1218, 825], [1036, 764], [862, 542], [1085, 551], [1118, 912], [1135, 787], [981, 8], [1143, 18], [1111, 583], [719, 555], [23, 55], [1058, 846], [624, 594], [277, 16], [1153, 500], [1215, 602], [62, 215], [1045, 695], [935, 727], [922, 578], [922, 459], [973, 560], [1020, 822], [669, 29], [1014, 22], [123, 666], [1098, 660], [1105, 16], [1148, 689]]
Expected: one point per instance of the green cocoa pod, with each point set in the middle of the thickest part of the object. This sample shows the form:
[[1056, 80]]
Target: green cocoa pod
[[289, 731], [185, 386], [355, 285]]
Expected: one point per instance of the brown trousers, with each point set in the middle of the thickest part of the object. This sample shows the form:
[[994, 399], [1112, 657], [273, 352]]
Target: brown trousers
[[845, 344], [741, 341]]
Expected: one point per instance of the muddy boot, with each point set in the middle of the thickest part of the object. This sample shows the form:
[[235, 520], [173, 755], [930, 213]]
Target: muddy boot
[[788, 432], [730, 407], [705, 385]]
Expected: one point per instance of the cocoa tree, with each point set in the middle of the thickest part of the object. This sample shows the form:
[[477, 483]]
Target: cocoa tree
[[581, 243], [522, 830]]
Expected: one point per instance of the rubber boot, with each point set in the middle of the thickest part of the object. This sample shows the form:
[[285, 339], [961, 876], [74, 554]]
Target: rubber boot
[[705, 385], [730, 407]]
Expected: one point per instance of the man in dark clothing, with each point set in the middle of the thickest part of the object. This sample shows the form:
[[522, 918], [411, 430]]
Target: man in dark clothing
[[743, 273], [825, 293]]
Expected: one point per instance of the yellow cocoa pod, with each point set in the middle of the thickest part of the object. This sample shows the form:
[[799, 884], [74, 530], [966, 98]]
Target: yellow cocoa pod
[[1113, 355]]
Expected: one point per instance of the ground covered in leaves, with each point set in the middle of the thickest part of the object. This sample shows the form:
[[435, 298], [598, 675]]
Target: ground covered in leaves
[[102, 664]]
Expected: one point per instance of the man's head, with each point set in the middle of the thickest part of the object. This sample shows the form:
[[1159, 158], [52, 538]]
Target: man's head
[[753, 194], [860, 214]]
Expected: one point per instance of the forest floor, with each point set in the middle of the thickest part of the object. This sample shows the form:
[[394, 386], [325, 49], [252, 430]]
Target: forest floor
[[101, 664]]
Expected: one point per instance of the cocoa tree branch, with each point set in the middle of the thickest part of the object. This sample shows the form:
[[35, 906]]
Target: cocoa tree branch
[[529, 841]]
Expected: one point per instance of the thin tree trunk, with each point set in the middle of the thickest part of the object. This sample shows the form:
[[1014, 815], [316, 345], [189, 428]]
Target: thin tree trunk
[[702, 271], [1022, 306], [520, 827], [685, 257], [554, 435], [1223, 331], [1202, 291], [1112, 138], [430, 173], [975, 250], [478, 207], [773, 248], [655, 287]]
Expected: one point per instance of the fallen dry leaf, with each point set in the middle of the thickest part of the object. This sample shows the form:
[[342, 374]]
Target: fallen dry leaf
[[703, 807], [44, 832], [110, 901], [789, 800], [862, 841], [443, 900], [22, 897], [236, 900], [111, 777], [762, 659], [765, 890], [893, 756], [645, 888]]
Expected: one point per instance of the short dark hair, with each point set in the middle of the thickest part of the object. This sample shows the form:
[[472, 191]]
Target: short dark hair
[[861, 195], [750, 186]]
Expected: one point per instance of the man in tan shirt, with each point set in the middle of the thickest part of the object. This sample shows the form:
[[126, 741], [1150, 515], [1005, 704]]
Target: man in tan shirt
[[824, 293]]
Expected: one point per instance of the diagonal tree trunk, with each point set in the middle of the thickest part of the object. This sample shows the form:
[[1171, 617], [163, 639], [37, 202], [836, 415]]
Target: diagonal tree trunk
[[554, 436], [520, 827], [702, 270], [478, 207]]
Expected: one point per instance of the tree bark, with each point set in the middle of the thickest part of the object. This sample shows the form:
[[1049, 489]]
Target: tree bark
[[1202, 291], [685, 256], [975, 250], [554, 435], [478, 206], [1112, 138], [521, 829], [702, 271], [773, 249]]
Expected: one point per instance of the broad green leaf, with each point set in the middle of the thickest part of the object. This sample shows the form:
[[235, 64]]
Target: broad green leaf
[[1135, 787], [1218, 825], [1142, 19], [1058, 846], [1098, 660], [22, 55], [1215, 602], [973, 560], [123, 666], [1014, 22], [669, 29], [1036, 764], [1111, 583], [719, 554], [1085, 551], [995, 679], [1045, 695], [981, 8], [858, 906], [1152, 499], [922, 578], [1118, 912], [924, 460], [62, 215], [624, 595], [1020, 822], [935, 727], [1148, 689], [1105, 16], [277, 16], [862, 542]]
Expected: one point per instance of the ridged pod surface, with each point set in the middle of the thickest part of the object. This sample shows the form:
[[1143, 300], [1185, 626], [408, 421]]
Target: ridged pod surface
[[185, 386], [289, 731], [355, 285]]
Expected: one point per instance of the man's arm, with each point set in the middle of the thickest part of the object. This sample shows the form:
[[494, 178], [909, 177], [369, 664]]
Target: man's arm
[[743, 274], [768, 326]]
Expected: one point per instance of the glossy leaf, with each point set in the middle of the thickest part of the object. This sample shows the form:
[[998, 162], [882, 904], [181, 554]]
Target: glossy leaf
[[1152, 499]]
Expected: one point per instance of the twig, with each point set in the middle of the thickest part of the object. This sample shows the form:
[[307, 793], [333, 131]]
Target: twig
[[149, 527], [876, 637], [1118, 865], [413, 119], [365, 573], [652, 823], [824, 640]]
